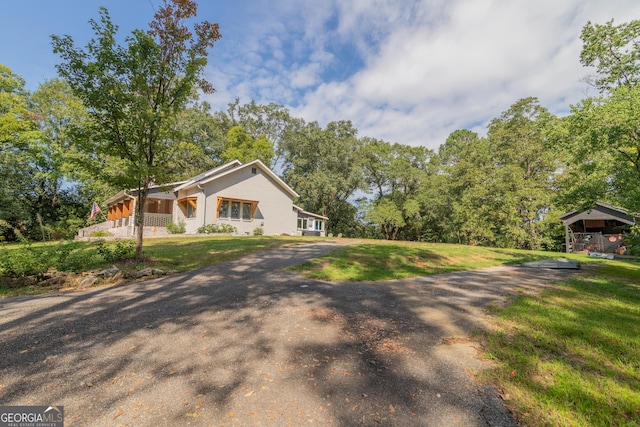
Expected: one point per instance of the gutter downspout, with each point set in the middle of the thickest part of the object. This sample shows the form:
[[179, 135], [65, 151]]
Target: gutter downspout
[[133, 223], [204, 206]]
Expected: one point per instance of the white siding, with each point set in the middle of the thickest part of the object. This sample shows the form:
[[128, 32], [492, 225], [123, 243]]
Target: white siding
[[274, 214]]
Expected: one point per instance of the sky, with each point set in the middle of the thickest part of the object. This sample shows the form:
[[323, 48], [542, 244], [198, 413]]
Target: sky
[[406, 71]]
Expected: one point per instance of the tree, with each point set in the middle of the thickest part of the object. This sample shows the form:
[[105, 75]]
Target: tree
[[613, 51], [398, 175], [521, 146], [270, 122], [244, 147], [199, 143], [464, 192], [18, 130], [324, 166], [134, 93], [608, 126]]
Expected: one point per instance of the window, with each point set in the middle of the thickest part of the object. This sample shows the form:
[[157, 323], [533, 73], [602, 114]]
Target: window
[[188, 206], [246, 211], [236, 208], [254, 171], [223, 209], [302, 223], [319, 225]]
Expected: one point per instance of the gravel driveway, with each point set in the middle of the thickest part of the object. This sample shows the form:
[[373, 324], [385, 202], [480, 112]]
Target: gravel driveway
[[244, 343]]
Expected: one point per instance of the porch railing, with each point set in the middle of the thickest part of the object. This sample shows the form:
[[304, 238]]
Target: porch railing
[[597, 242]]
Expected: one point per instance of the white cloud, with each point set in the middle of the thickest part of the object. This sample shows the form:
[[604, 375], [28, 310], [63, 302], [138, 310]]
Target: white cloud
[[429, 67]]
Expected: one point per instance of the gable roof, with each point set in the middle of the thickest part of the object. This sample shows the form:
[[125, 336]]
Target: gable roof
[[233, 167], [600, 211]]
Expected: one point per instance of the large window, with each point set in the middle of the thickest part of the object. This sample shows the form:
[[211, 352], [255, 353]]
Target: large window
[[236, 209]]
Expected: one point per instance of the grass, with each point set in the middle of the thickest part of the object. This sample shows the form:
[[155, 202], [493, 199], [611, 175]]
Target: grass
[[379, 260], [570, 356], [168, 254]]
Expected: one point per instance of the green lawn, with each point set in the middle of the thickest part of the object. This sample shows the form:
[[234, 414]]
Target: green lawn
[[571, 356], [380, 260]]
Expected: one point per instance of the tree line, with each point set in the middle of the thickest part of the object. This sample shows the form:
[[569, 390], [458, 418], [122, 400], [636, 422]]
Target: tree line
[[84, 136]]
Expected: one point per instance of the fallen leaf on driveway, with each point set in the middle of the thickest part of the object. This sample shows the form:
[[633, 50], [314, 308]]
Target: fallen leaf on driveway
[[120, 412]]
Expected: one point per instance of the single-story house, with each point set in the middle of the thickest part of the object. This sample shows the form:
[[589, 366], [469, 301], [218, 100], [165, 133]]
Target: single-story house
[[599, 229], [250, 197]]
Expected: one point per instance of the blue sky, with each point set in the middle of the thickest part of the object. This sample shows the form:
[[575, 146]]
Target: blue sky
[[409, 71]]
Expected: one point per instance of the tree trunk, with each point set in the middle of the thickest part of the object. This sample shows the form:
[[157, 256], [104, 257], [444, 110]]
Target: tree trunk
[[142, 199]]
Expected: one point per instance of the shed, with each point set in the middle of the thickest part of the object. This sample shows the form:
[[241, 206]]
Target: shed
[[599, 229]]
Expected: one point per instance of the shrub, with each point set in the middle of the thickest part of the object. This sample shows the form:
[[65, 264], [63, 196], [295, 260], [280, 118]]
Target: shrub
[[178, 228], [216, 228], [258, 231], [28, 260], [101, 234], [123, 249]]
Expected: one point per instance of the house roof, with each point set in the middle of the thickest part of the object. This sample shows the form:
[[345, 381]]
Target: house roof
[[302, 211], [233, 167], [161, 191], [599, 211]]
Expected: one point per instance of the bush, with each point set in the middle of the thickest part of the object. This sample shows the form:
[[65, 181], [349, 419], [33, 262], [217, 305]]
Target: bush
[[632, 240], [101, 234], [123, 249], [178, 228], [216, 228], [28, 260], [258, 231]]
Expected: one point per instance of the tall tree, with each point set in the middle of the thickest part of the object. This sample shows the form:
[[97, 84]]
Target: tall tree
[[324, 166], [398, 175], [18, 130], [199, 143], [244, 147], [135, 92], [464, 190], [270, 122], [522, 149], [608, 126]]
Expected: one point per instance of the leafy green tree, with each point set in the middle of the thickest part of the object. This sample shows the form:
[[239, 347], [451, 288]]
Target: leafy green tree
[[18, 130], [527, 161], [56, 175], [135, 92], [606, 129], [464, 189], [613, 51], [199, 143], [270, 122], [397, 175], [244, 147], [324, 166]]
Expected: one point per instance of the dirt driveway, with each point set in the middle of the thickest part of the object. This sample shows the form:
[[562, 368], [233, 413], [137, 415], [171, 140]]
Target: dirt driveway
[[243, 343]]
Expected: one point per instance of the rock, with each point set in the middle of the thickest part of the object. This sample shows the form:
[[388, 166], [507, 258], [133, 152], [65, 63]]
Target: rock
[[109, 272], [88, 281], [157, 272], [144, 272]]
